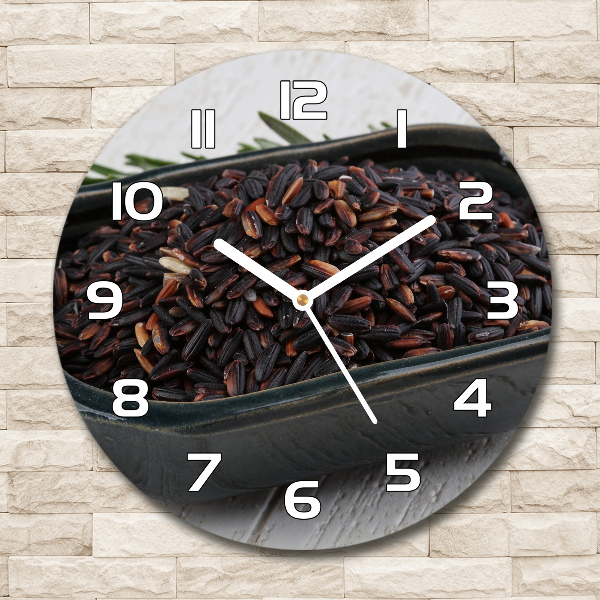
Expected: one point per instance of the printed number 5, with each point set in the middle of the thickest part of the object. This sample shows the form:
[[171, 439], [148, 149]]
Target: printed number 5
[[213, 461]]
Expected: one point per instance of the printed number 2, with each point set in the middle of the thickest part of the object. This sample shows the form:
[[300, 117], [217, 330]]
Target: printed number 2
[[300, 102], [213, 461], [481, 406]]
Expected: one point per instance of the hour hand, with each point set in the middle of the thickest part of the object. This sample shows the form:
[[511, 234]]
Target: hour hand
[[253, 267]]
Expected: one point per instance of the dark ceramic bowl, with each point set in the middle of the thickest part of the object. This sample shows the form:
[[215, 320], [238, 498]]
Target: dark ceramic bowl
[[305, 430]]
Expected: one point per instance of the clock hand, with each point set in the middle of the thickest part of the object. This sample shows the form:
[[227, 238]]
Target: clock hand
[[251, 265], [371, 257], [341, 365]]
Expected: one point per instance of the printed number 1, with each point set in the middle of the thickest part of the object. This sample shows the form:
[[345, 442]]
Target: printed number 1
[[213, 461], [402, 115]]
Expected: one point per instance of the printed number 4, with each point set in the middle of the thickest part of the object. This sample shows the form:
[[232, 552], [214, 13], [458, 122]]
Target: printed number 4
[[213, 461], [481, 406]]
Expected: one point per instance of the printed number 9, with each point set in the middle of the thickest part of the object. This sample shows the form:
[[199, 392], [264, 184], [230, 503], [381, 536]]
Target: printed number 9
[[116, 299]]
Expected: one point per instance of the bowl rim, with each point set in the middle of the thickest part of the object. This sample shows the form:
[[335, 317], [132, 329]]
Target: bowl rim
[[306, 395], [95, 401], [430, 135]]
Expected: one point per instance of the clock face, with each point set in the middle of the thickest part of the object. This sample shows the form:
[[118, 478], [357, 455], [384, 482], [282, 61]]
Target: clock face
[[307, 314]]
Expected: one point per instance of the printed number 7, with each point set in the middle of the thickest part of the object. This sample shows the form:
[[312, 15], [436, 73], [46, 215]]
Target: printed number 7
[[213, 461]]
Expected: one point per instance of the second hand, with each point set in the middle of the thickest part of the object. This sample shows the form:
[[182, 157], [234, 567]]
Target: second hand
[[341, 365]]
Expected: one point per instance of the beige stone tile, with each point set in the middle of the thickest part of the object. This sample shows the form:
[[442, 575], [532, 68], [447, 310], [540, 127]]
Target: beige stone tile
[[569, 363], [291, 20], [30, 324], [174, 22], [45, 451], [50, 492], [554, 576], [54, 150], [504, 138], [489, 494], [44, 24], [555, 491], [253, 577], [3, 492], [513, 535], [564, 406], [513, 104], [112, 107], [557, 147], [191, 58], [443, 61], [547, 188], [535, 449], [30, 368], [90, 66], [47, 409], [572, 233], [576, 319], [113, 492], [3, 576], [101, 461], [3, 326], [555, 62], [53, 1], [573, 275], [20, 193], [92, 577], [130, 534], [33, 237], [3, 70], [426, 577], [24, 280], [3, 410], [53, 535], [45, 108], [512, 20], [3, 236], [413, 541], [2, 137]]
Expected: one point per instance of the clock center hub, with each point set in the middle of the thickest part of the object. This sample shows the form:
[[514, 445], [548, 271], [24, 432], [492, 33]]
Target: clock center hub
[[302, 301]]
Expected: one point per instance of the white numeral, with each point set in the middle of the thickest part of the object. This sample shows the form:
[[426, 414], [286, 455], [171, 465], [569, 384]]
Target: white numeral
[[213, 461], [116, 299], [393, 470], [481, 406], [209, 128], [291, 500], [285, 99], [463, 210], [512, 292], [129, 200], [139, 397], [297, 107], [402, 120]]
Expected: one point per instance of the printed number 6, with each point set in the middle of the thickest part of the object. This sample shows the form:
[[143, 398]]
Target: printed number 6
[[291, 500]]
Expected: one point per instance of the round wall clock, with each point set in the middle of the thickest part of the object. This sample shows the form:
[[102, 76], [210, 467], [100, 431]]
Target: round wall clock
[[302, 299]]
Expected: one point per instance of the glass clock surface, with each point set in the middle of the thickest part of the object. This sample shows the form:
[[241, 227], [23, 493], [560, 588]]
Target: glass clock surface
[[303, 300]]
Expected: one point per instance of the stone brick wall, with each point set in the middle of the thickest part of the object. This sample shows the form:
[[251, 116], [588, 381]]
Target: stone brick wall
[[72, 72]]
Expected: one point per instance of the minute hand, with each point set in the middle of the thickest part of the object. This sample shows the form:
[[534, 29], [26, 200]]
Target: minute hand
[[371, 257]]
